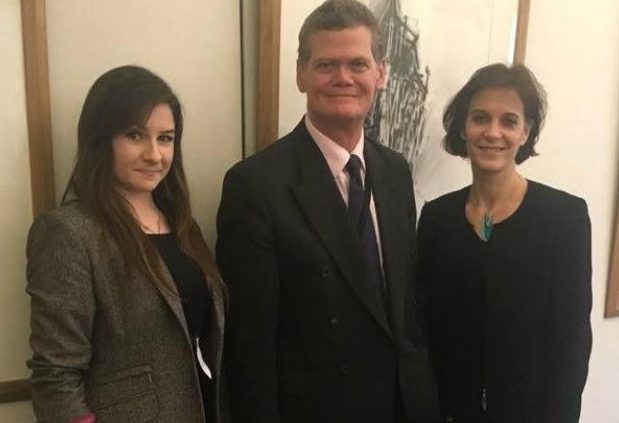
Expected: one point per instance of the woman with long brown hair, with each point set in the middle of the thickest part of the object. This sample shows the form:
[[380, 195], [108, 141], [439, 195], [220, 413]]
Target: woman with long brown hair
[[127, 303]]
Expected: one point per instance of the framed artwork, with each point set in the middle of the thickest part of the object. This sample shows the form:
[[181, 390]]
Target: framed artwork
[[612, 290], [432, 48], [39, 139]]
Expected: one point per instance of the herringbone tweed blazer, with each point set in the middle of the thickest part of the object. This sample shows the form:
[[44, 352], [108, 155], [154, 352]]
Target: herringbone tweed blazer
[[104, 340]]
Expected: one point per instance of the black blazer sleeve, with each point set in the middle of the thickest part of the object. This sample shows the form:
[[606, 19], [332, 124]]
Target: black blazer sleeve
[[569, 316], [247, 259]]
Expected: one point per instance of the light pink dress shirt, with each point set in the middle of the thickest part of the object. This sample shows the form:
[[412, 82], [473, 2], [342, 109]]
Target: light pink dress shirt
[[337, 157]]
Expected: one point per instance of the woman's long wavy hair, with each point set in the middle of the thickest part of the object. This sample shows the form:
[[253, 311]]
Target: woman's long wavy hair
[[120, 99]]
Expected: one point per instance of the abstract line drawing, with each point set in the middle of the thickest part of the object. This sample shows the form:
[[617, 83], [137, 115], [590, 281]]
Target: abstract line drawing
[[397, 116]]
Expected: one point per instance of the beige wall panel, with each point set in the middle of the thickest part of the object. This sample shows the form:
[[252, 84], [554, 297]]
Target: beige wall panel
[[193, 44], [17, 412], [15, 209]]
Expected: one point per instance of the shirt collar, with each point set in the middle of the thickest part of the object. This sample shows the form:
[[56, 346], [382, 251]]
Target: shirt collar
[[335, 155]]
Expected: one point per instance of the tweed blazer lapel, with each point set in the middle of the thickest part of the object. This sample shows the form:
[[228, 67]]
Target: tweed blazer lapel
[[394, 243], [173, 301], [320, 200], [172, 298]]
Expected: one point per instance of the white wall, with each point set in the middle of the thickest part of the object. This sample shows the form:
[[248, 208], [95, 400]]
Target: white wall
[[194, 45], [15, 209], [573, 49]]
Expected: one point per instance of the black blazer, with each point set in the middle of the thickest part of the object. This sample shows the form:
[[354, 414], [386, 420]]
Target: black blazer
[[508, 320], [308, 339]]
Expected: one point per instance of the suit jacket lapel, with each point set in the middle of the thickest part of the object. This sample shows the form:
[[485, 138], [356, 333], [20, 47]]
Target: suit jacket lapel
[[320, 200], [394, 244]]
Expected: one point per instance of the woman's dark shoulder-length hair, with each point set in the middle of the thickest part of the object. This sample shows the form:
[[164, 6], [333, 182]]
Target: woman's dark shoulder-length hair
[[118, 100], [497, 75]]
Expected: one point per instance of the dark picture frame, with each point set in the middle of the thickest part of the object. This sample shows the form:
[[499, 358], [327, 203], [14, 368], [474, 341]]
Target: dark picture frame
[[38, 116], [612, 289]]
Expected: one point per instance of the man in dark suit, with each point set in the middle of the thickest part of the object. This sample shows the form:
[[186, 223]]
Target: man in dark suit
[[316, 241]]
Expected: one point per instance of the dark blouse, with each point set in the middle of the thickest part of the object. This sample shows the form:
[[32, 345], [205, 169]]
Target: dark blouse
[[508, 320], [195, 299]]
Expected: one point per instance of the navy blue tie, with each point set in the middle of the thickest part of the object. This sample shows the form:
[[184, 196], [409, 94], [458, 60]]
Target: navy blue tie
[[359, 213]]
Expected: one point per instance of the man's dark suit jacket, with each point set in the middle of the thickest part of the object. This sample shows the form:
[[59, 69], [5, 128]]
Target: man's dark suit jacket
[[308, 338]]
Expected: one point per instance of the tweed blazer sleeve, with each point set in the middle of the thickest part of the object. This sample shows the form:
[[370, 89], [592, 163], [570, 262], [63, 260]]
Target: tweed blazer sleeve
[[63, 306]]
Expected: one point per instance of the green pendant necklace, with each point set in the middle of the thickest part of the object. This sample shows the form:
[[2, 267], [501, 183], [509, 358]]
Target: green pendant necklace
[[486, 227]]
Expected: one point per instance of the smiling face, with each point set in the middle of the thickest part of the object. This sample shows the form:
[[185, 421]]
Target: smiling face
[[495, 128], [143, 154], [340, 77]]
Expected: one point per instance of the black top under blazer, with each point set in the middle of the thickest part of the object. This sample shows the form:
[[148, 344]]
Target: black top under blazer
[[508, 319], [106, 341], [308, 339]]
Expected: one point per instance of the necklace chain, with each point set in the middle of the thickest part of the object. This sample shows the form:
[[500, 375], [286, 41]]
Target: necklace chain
[[148, 229]]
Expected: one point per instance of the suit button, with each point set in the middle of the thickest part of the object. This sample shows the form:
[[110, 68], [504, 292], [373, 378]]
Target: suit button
[[344, 369], [324, 272], [334, 322], [449, 419], [484, 400]]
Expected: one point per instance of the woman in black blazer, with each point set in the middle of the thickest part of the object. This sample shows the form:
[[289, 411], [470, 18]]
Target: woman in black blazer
[[505, 267], [127, 303]]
